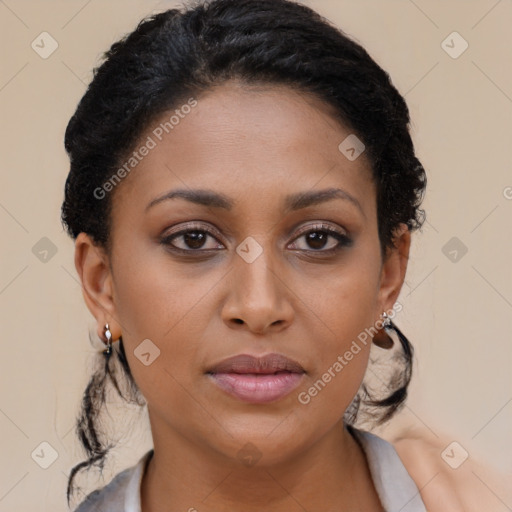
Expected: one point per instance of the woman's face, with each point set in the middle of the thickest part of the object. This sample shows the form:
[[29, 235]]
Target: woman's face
[[247, 278]]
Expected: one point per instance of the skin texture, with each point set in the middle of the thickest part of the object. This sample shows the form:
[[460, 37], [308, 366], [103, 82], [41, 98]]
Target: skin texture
[[471, 487], [256, 146]]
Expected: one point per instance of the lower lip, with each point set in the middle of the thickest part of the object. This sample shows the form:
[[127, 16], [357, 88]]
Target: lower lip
[[257, 388]]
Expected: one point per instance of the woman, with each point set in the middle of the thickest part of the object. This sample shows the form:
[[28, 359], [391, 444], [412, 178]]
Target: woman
[[242, 193]]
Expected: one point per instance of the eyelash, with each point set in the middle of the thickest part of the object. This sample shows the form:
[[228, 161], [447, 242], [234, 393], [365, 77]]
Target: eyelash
[[344, 240]]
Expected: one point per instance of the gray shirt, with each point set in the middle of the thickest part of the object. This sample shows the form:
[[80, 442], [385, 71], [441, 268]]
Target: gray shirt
[[396, 489]]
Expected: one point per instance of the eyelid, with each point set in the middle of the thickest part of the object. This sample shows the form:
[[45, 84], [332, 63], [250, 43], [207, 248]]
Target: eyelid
[[318, 225], [340, 234], [194, 225], [322, 225]]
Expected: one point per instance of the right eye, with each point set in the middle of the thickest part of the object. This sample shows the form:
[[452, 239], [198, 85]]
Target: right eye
[[193, 239]]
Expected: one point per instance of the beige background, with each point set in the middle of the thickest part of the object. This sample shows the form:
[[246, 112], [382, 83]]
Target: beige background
[[457, 314]]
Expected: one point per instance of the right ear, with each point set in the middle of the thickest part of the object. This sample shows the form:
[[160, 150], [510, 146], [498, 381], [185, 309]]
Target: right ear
[[92, 265]]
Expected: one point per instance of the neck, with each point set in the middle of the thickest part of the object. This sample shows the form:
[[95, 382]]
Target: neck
[[332, 473]]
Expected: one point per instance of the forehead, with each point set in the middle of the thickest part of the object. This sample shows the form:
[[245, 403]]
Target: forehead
[[246, 141]]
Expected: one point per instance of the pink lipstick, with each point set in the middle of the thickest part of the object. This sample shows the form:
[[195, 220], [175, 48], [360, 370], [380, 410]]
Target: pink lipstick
[[257, 379]]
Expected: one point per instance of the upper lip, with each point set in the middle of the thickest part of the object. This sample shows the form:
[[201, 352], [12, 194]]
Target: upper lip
[[267, 364]]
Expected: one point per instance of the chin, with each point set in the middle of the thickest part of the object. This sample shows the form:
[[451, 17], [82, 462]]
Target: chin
[[262, 443]]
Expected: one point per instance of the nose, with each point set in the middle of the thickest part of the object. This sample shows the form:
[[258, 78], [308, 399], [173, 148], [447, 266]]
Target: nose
[[259, 299]]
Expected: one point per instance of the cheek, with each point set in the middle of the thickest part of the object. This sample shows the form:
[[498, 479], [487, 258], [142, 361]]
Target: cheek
[[343, 301], [342, 354], [153, 304], [154, 295], [344, 310], [341, 359]]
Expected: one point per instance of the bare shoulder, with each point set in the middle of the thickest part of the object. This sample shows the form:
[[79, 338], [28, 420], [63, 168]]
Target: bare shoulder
[[449, 478]]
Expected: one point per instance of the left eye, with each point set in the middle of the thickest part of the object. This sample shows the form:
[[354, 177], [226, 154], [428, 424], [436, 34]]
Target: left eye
[[317, 239]]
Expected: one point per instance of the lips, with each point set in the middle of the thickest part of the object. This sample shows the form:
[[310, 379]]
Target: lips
[[257, 380], [268, 364]]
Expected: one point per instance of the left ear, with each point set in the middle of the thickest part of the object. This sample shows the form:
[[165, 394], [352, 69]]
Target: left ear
[[394, 268]]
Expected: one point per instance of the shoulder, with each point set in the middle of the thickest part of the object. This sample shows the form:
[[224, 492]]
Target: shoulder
[[394, 485], [448, 477], [122, 493], [109, 498]]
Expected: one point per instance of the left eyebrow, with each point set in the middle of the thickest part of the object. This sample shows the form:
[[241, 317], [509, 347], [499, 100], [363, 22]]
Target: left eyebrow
[[310, 198], [292, 202]]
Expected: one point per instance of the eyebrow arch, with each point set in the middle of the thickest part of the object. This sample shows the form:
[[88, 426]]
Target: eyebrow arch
[[302, 200], [198, 196], [293, 202]]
